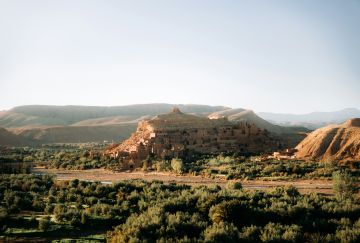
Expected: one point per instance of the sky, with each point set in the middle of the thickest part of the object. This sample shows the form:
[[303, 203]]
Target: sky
[[274, 56]]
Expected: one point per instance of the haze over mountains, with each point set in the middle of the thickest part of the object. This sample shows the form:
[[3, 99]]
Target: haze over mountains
[[73, 124], [41, 115], [311, 120]]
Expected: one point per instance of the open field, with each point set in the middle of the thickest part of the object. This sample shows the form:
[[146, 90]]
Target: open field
[[106, 176]]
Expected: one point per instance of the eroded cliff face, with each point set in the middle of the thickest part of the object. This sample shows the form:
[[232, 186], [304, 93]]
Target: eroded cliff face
[[333, 142], [175, 133]]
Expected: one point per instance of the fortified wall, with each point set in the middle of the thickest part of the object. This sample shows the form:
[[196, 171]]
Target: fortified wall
[[173, 134]]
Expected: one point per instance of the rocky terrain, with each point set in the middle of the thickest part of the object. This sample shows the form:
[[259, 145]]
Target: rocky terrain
[[333, 142], [175, 134]]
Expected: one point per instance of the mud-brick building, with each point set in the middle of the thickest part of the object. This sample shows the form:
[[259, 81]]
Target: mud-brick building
[[173, 134]]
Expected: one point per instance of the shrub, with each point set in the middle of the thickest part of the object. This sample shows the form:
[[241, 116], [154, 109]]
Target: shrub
[[84, 218], [277, 232], [44, 224], [348, 235], [177, 165], [233, 185], [3, 218], [344, 185], [218, 213], [250, 234], [221, 232]]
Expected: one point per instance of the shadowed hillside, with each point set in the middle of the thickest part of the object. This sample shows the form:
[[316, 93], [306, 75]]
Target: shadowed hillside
[[78, 134], [7, 138]]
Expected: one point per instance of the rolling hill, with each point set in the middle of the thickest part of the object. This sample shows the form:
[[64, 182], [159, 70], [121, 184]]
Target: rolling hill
[[44, 116], [7, 138], [78, 134]]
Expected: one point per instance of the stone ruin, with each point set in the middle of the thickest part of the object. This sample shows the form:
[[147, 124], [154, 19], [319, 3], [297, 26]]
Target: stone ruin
[[175, 134]]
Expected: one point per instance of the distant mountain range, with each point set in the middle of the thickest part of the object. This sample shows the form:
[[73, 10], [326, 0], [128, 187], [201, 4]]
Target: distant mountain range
[[311, 120], [37, 124], [44, 116]]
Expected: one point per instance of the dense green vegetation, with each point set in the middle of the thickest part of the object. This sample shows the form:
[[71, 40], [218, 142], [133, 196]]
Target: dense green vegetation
[[156, 212], [229, 166], [138, 211], [71, 157], [239, 167]]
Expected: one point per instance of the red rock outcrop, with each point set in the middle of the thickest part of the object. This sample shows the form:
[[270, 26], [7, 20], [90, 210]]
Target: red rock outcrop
[[333, 142], [175, 133]]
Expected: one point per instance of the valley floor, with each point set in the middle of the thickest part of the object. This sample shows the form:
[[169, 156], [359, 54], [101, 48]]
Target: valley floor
[[107, 176]]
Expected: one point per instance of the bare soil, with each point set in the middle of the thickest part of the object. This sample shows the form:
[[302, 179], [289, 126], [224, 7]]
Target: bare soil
[[107, 176]]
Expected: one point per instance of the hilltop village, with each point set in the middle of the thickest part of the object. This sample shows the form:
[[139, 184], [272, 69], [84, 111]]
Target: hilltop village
[[177, 134]]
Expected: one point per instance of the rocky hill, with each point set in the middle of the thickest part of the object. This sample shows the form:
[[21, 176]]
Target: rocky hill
[[333, 142], [176, 134]]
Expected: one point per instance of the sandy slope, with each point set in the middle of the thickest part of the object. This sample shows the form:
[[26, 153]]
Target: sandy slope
[[338, 142]]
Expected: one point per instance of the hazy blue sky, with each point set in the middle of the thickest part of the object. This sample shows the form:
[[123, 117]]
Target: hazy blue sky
[[280, 56]]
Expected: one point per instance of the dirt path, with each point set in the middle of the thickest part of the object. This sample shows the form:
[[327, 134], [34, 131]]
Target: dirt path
[[106, 176]]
